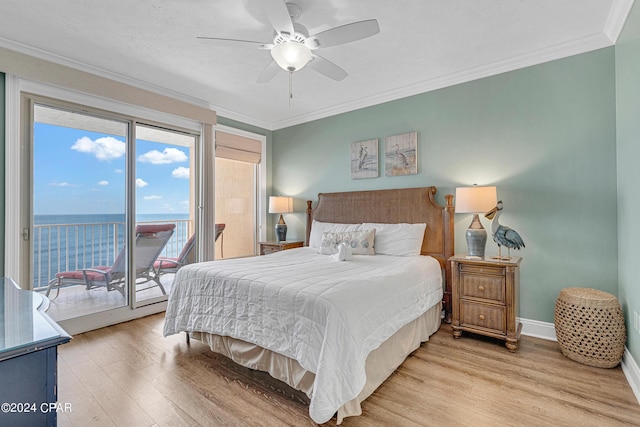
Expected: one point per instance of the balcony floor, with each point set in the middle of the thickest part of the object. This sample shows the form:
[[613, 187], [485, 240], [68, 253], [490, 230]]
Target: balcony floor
[[77, 301]]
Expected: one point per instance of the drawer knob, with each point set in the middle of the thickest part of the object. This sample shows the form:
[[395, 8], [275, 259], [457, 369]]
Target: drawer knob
[[481, 288], [481, 317]]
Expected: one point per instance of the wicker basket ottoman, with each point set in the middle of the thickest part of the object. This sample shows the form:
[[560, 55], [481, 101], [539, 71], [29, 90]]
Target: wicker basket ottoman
[[590, 327]]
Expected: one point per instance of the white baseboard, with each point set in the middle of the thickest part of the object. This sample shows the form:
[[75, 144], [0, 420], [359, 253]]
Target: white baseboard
[[631, 372], [538, 329], [547, 331]]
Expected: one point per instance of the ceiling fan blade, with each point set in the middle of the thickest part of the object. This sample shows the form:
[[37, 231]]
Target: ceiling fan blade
[[327, 68], [279, 17], [344, 34], [235, 42], [269, 72]]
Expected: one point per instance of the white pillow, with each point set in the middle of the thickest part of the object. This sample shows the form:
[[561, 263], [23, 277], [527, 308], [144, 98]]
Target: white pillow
[[317, 228], [398, 239], [360, 242]]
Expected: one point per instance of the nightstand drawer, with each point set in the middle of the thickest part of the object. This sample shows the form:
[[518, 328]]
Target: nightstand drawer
[[484, 316], [269, 249], [481, 269], [484, 287]]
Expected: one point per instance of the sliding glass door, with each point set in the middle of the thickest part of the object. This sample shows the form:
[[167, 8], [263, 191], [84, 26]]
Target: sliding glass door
[[165, 194], [112, 208], [78, 210]]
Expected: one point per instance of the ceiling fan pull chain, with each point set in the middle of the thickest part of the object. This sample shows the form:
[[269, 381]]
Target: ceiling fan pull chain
[[290, 87]]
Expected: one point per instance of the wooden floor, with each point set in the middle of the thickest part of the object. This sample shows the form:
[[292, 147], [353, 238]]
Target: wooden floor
[[129, 375]]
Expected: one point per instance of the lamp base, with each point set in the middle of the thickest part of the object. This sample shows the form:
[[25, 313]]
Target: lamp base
[[476, 237], [281, 230]]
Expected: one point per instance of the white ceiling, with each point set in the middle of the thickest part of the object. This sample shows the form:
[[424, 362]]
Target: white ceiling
[[422, 45]]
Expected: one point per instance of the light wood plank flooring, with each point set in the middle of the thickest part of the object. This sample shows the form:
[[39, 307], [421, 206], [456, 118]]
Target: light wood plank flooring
[[129, 375]]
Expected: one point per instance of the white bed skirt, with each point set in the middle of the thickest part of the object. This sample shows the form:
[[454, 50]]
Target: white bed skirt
[[380, 363]]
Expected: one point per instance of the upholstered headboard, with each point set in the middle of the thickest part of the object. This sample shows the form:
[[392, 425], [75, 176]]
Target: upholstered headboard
[[405, 205]]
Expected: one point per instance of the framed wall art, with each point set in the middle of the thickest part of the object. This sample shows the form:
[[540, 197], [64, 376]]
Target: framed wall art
[[401, 154], [364, 159]]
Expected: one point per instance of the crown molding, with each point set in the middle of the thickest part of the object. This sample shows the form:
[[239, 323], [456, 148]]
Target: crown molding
[[100, 72], [617, 17], [243, 118], [575, 47], [81, 66]]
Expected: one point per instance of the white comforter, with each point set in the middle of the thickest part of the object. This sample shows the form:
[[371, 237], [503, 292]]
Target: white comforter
[[326, 314]]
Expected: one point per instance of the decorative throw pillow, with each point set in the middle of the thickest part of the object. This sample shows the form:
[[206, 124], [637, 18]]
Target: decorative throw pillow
[[317, 228], [398, 239], [360, 242]]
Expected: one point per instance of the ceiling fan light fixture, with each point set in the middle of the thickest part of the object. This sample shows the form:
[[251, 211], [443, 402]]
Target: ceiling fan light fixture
[[291, 55]]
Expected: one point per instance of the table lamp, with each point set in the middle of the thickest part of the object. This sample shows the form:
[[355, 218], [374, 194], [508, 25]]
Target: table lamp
[[476, 200], [280, 205]]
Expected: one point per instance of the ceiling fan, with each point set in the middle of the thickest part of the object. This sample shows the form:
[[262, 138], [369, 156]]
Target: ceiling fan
[[293, 47]]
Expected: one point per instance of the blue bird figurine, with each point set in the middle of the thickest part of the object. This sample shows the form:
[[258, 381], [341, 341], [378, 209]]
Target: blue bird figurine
[[503, 235]]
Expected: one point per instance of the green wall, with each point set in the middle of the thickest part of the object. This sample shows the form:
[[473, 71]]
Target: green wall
[[628, 150], [544, 135]]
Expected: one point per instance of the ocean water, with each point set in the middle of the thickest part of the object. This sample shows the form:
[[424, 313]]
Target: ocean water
[[71, 242]]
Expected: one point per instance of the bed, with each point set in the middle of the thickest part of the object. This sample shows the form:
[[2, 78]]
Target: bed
[[335, 336]]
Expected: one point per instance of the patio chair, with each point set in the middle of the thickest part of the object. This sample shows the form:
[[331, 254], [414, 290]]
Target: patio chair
[[219, 229], [150, 241], [166, 265]]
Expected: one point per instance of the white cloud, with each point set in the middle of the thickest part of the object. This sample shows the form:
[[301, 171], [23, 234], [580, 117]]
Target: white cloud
[[152, 197], [103, 182], [117, 171], [63, 184], [141, 183], [184, 203], [180, 172], [106, 148], [168, 155]]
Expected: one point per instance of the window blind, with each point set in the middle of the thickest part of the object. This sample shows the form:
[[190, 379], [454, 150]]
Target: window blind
[[237, 147]]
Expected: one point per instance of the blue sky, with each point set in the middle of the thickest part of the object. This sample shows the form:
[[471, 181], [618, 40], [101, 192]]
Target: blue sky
[[82, 172]]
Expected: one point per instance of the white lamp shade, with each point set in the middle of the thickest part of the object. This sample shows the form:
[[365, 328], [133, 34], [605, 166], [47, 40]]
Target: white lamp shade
[[475, 199], [280, 204], [291, 55]]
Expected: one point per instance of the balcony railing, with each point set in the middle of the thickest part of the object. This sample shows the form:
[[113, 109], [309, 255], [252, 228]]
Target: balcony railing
[[67, 247]]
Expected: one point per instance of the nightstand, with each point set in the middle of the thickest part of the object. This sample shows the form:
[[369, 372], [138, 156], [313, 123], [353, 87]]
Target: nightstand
[[485, 294], [267, 248]]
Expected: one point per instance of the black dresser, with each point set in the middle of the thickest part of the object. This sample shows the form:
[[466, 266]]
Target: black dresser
[[29, 342]]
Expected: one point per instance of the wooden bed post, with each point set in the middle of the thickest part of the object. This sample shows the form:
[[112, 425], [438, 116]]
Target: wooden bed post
[[449, 249], [309, 219]]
